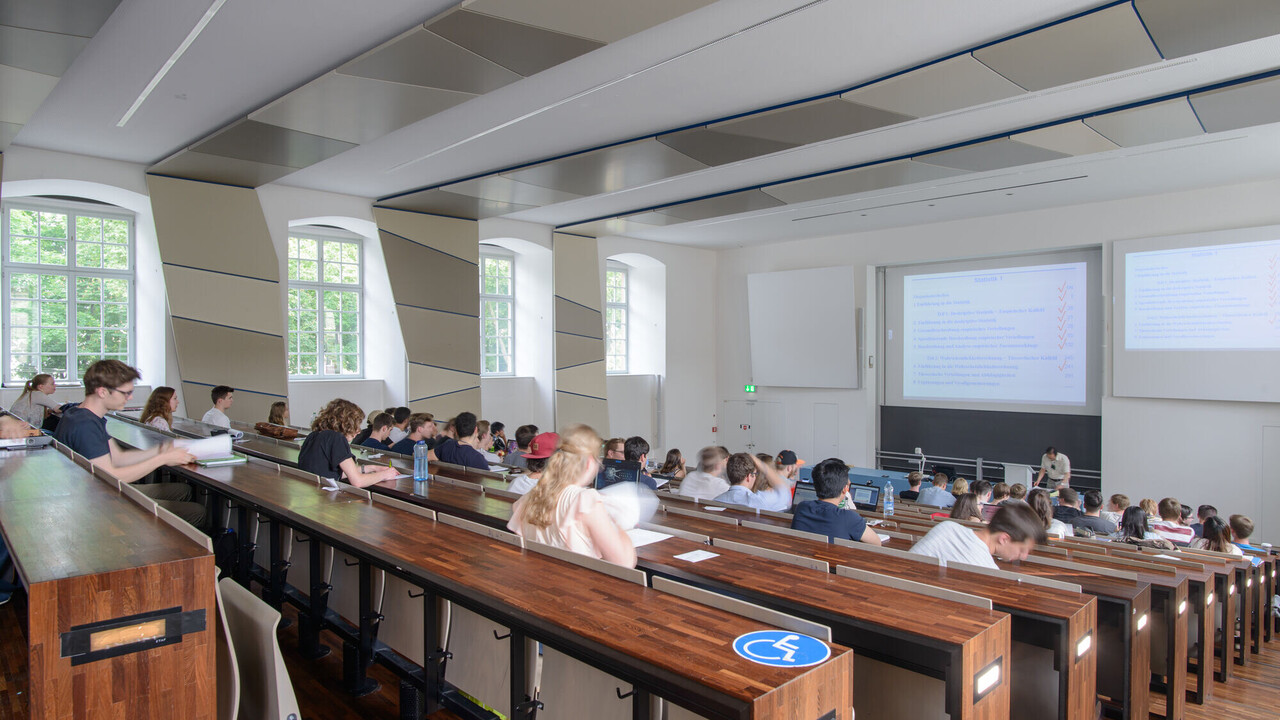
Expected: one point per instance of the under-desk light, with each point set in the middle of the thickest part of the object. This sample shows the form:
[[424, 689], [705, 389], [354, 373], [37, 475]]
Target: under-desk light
[[173, 60]]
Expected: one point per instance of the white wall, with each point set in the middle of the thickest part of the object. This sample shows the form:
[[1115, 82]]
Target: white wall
[[1199, 452]]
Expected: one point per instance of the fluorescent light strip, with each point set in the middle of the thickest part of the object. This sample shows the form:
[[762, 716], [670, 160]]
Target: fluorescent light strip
[[605, 85], [173, 60], [1084, 644]]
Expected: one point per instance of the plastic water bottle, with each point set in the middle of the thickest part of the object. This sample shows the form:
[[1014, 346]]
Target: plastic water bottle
[[420, 468], [888, 497]]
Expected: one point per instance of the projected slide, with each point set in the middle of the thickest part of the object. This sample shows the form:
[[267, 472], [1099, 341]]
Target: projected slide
[[1009, 335], [1219, 297]]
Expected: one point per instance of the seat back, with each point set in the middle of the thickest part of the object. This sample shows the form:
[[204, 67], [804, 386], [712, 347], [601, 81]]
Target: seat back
[[265, 691], [228, 671]]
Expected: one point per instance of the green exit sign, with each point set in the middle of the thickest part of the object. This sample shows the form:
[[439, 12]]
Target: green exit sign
[[749, 388]]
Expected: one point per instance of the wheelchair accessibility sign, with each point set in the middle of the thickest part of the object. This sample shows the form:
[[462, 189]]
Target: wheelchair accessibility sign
[[780, 648]]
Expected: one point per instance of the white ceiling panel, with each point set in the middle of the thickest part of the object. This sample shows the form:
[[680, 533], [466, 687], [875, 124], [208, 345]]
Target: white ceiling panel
[[959, 82], [21, 92], [850, 182], [1255, 103], [603, 20], [1090, 46], [1148, 124], [1073, 138]]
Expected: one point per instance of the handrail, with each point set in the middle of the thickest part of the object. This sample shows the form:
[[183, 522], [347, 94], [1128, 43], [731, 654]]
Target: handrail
[[977, 468]]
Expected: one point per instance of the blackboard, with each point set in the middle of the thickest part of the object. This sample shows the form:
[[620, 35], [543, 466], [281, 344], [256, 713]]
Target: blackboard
[[995, 436]]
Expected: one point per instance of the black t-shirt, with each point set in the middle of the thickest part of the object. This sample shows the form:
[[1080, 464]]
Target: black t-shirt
[[323, 451], [1094, 523], [405, 446], [375, 443], [909, 494], [1066, 514], [437, 441], [816, 516], [83, 431]]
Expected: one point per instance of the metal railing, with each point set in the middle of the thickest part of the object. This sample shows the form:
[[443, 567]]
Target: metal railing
[[977, 468]]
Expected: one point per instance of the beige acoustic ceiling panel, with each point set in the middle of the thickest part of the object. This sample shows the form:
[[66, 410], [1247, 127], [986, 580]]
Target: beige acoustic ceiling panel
[[1158, 122], [952, 84], [1186, 27], [1255, 103], [990, 155], [604, 21], [451, 204], [712, 147], [730, 204], [581, 395], [432, 264], [1070, 138], [1085, 47], [619, 225], [608, 169], [852, 182], [225, 302], [811, 122], [524, 49], [425, 59], [249, 153]]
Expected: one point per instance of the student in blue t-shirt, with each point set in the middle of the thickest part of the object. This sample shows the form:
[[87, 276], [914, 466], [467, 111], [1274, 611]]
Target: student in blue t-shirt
[[421, 427], [824, 516], [379, 430], [1241, 529], [462, 451]]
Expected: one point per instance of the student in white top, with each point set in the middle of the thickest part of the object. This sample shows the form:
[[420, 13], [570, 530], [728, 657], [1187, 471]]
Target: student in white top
[[1013, 531], [158, 412], [564, 511], [36, 399], [1039, 501], [743, 470], [399, 425], [1217, 537], [708, 480], [540, 448], [1056, 465], [222, 397]]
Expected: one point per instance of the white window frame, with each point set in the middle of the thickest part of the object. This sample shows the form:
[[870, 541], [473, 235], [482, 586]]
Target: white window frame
[[498, 253], [613, 266], [320, 235], [71, 272]]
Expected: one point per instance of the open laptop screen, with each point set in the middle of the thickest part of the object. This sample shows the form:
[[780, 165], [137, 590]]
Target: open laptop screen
[[614, 471]]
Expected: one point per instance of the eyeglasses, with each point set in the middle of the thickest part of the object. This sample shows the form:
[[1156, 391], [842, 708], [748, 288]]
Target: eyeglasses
[[127, 393]]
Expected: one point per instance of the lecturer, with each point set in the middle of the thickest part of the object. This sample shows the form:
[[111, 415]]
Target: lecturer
[[1056, 465]]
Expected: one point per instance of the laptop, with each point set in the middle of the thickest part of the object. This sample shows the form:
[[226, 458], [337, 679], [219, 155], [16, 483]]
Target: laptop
[[865, 497], [613, 471], [804, 493], [26, 443]]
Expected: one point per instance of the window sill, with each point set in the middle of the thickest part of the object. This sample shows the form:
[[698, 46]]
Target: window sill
[[326, 379]]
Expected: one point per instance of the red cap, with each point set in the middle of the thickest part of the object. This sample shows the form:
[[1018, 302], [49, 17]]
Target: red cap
[[543, 445]]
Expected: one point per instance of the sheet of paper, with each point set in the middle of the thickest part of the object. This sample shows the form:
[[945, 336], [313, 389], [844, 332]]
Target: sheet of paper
[[696, 556], [402, 475], [218, 446], [660, 482], [712, 508], [641, 537], [883, 538]]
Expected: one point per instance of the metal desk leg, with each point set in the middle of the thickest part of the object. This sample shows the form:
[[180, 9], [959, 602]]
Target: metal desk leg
[[522, 706], [358, 657], [274, 594], [311, 622]]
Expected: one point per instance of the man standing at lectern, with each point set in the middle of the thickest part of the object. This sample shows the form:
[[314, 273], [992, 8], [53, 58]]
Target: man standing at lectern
[[1057, 466]]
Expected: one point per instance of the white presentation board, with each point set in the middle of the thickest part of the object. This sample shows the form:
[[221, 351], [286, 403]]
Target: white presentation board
[[1197, 316], [817, 308]]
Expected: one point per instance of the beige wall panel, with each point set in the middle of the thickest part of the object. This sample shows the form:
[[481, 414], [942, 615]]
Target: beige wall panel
[[573, 350], [214, 227], [577, 274], [440, 339], [229, 356], [576, 319], [425, 278], [248, 406], [584, 380], [460, 238], [240, 304], [577, 409], [444, 407], [424, 381]]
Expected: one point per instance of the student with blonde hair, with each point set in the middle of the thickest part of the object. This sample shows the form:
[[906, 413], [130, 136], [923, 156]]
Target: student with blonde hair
[[158, 412], [326, 451], [564, 511], [36, 400]]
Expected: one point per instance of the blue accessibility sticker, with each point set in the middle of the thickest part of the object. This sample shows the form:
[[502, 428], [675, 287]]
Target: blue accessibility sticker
[[780, 648]]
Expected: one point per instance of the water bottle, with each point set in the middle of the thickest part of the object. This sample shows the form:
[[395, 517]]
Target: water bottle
[[888, 497], [420, 469]]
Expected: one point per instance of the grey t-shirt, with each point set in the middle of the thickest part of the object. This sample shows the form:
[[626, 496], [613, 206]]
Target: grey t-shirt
[[952, 542]]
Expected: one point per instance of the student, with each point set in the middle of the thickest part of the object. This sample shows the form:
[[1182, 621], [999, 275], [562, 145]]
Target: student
[[1204, 512], [1014, 530], [279, 413], [420, 427], [158, 412], [222, 397], [1170, 526], [959, 487], [937, 494], [1068, 508], [824, 515], [368, 428], [615, 449], [36, 400], [540, 448], [379, 431], [967, 507], [449, 432], [1242, 528], [999, 496], [982, 489], [399, 420], [1115, 508], [1133, 530], [484, 441], [673, 466], [564, 511], [788, 466], [108, 385], [742, 469], [1056, 465], [914, 478], [636, 449], [326, 451], [1217, 537], [1018, 491], [462, 450], [1151, 509], [1092, 515], [1039, 501], [707, 481], [498, 441], [524, 435]]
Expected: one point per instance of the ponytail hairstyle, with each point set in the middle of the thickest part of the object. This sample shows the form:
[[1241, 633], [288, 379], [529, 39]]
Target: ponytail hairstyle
[[573, 456], [158, 405], [34, 383]]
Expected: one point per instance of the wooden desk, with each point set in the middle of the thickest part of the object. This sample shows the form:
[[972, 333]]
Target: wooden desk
[[662, 644], [89, 556]]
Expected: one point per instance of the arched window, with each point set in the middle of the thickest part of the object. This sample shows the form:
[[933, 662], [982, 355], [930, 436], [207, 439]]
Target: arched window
[[326, 322], [497, 311]]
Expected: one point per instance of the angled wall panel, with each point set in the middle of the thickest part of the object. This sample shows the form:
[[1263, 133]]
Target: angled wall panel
[[433, 266], [581, 395], [225, 303]]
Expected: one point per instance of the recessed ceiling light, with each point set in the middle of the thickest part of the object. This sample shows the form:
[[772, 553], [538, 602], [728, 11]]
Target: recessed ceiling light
[[173, 60]]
